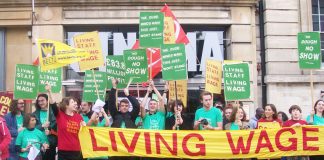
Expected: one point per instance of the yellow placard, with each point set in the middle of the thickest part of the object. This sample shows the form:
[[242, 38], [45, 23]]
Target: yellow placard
[[182, 91], [168, 31], [54, 54], [90, 42], [268, 125], [213, 79], [273, 143]]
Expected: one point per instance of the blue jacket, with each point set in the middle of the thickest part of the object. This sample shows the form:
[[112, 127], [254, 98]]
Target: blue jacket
[[13, 128]]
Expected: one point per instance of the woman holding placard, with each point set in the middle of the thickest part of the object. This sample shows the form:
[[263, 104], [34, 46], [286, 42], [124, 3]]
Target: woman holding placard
[[269, 119]]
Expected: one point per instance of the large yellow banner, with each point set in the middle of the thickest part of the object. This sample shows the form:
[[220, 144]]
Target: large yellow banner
[[54, 54], [213, 78], [182, 91], [273, 143], [90, 42]]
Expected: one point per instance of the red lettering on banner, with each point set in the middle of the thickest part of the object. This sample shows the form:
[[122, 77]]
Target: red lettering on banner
[[159, 138], [240, 144], [306, 139], [95, 147], [147, 142], [130, 148], [113, 141], [267, 144], [201, 147], [293, 146]]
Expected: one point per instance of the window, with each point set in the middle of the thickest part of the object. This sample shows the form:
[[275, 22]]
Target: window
[[318, 21], [2, 61]]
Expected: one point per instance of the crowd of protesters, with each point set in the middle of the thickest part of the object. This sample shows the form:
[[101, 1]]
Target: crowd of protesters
[[53, 128]]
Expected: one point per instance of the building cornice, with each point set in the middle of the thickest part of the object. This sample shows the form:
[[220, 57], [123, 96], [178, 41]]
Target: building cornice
[[40, 3]]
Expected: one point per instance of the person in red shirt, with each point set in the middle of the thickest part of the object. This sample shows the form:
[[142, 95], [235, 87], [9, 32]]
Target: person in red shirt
[[5, 139], [68, 126], [295, 120], [270, 115]]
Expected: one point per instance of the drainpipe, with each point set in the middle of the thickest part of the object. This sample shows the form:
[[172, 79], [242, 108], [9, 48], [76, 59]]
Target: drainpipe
[[262, 54]]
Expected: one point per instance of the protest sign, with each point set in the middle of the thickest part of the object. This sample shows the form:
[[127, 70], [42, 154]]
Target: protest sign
[[236, 81], [5, 101], [151, 29], [309, 49], [182, 91], [89, 88], [213, 78], [26, 81], [53, 77], [168, 34], [90, 42], [54, 54], [261, 144], [174, 66], [136, 65], [115, 68]]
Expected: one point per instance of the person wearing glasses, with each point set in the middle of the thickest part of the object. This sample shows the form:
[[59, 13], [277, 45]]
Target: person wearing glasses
[[14, 120]]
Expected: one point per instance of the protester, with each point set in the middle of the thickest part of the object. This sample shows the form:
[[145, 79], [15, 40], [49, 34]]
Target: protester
[[30, 137], [139, 121], [99, 119], [254, 120], [219, 104], [316, 117], [14, 121], [46, 124], [5, 139], [295, 120], [226, 115], [155, 118], [68, 126], [122, 118], [282, 116], [86, 111], [270, 115], [208, 117], [237, 120], [178, 121]]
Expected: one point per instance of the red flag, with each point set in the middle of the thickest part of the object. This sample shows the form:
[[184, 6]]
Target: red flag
[[156, 59], [181, 36], [36, 62]]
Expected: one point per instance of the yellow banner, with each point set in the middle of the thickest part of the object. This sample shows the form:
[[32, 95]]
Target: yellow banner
[[168, 31], [268, 125], [54, 54], [213, 79], [90, 42], [274, 143], [182, 91]]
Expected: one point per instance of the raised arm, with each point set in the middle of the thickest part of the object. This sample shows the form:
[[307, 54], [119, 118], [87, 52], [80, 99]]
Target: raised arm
[[149, 90], [134, 102], [161, 101], [112, 99], [52, 104]]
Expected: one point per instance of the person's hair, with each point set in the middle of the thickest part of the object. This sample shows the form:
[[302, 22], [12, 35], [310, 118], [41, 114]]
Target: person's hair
[[14, 107], [37, 99], [124, 101], [233, 115], [205, 93], [316, 105], [173, 104], [89, 103], [169, 105], [65, 102], [274, 109], [27, 118], [284, 116], [293, 107]]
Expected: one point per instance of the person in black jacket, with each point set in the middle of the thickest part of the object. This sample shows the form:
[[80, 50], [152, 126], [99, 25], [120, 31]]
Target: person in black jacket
[[178, 121], [122, 118]]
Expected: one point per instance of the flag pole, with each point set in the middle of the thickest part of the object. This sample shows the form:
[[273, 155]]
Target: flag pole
[[312, 87], [94, 79]]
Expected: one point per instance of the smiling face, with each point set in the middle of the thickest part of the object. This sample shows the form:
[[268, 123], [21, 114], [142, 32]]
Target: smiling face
[[319, 107], [268, 112], [240, 114], [153, 106], [72, 106], [42, 102], [21, 105]]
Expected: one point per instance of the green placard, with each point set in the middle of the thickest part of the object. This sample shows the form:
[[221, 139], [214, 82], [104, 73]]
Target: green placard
[[89, 88], [236, 81], [309, 50], [115, 68], [26, 81], [136, 65], [53, 77], [174, 66], [151, 29]]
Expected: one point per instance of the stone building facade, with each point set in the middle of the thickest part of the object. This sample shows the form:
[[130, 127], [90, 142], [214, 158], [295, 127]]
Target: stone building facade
[[271, 53]]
